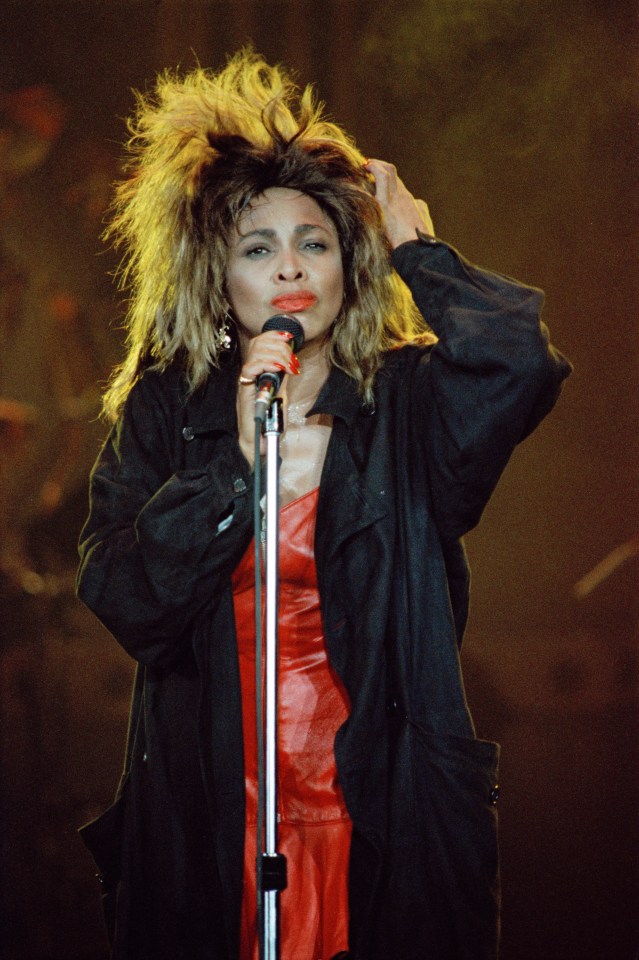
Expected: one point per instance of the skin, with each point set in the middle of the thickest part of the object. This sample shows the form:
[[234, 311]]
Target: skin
[[284, 244]]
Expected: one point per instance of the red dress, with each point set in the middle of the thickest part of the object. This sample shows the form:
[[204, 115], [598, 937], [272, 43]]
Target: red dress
[[314, 829]]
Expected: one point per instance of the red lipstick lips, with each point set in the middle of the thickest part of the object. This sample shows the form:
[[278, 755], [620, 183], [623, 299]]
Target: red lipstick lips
[[294, 302]]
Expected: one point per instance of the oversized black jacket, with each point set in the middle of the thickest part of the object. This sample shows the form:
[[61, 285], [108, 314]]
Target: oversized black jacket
[[403, 480]]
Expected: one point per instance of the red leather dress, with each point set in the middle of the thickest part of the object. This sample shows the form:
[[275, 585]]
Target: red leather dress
[[314, 829]]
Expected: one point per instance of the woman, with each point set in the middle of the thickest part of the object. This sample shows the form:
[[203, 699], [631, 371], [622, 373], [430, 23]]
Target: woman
[[237, 209]]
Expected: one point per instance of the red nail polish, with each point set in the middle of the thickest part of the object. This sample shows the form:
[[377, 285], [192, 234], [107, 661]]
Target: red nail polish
[[285, 334], [280, 366]]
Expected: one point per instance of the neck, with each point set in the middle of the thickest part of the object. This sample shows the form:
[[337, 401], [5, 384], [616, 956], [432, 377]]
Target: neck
[[314, 368]]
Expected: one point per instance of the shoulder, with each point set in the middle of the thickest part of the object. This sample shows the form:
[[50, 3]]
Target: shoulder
[[167, 398], [153, 405], [403, 370], [166, 392], [169, 383], [401, 360]]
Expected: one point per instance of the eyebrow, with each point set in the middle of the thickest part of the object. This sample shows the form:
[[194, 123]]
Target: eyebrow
[[269, 234]]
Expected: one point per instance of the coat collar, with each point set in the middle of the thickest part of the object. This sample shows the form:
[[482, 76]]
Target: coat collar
[[212, 409], [339, 398]]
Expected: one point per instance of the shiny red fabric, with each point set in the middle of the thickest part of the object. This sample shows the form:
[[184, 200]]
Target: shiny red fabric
[[314, 829]]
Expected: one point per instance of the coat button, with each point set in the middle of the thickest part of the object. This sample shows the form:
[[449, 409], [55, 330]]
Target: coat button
[[493, 796], [188, 433], [239, 486]]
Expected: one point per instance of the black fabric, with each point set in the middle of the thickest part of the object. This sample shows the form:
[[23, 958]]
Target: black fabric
[[402, 482]]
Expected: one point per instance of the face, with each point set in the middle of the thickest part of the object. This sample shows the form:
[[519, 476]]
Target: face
[[285, 258]]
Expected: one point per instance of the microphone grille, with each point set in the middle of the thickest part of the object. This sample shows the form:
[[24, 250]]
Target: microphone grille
[[289, 325]]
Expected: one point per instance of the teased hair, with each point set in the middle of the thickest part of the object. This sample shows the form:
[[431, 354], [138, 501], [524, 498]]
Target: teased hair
[[201, 148]]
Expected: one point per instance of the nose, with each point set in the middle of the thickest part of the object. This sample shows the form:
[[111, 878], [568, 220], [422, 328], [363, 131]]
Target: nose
[[289, 267]]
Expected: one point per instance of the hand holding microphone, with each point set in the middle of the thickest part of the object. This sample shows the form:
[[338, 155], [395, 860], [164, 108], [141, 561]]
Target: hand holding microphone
[[258, 386], [268, 383]]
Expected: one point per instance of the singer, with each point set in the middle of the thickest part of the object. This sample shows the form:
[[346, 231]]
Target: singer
[[418, 375]]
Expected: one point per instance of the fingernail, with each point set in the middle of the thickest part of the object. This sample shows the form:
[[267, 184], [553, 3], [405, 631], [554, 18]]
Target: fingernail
[[280, 366], [285, 334]]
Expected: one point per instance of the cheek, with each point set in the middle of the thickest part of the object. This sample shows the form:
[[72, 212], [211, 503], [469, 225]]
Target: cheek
[[240, 289], [337, 284]]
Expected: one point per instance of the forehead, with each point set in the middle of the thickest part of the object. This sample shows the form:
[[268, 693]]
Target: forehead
[[282, 205]]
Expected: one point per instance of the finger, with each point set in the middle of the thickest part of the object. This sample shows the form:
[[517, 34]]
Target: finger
[[268, 356], [270, 364], [273, 338], [385, 176], [382, 166]]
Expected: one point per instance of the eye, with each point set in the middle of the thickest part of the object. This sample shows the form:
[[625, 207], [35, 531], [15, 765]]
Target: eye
[[256, 251], [315, 245]]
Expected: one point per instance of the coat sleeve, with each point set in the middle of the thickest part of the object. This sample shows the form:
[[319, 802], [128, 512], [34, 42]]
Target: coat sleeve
[[486, 383], [158, 541]]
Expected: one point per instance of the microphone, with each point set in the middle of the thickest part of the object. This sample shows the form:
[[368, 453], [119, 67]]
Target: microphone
[[269, 383]]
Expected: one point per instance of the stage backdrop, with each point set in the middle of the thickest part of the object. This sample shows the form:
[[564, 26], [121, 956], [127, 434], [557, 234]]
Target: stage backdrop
[[516, 121]]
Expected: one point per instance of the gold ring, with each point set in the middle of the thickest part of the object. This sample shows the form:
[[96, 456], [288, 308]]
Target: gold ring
[[246, 381]]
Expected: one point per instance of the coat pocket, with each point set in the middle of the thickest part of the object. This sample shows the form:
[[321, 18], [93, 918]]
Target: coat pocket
[[103, 839], [456, 788], [455, 792], [440, 891]]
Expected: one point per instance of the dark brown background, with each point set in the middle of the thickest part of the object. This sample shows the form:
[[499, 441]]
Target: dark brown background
[[516, 120]]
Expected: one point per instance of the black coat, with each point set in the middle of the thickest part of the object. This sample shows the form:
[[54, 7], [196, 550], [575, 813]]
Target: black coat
[[402, 482]]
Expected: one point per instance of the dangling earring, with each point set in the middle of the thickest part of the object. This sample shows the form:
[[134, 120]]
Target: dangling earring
[[223, 337]]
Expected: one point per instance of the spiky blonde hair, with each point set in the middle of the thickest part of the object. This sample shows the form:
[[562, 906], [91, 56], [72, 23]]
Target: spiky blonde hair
[[200, 149]]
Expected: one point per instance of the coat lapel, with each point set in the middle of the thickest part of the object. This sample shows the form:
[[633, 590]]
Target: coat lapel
[[351, 496]]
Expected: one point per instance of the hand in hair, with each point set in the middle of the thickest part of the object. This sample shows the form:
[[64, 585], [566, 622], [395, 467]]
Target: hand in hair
[[403, 214]]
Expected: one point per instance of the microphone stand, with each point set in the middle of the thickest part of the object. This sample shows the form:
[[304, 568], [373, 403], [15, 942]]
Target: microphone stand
[[271, 866]]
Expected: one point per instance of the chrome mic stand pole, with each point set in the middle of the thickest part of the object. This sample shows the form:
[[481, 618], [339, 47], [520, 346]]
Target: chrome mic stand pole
[[272, 865]]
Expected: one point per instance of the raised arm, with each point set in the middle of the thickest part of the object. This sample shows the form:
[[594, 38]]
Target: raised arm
[[492, 375]]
